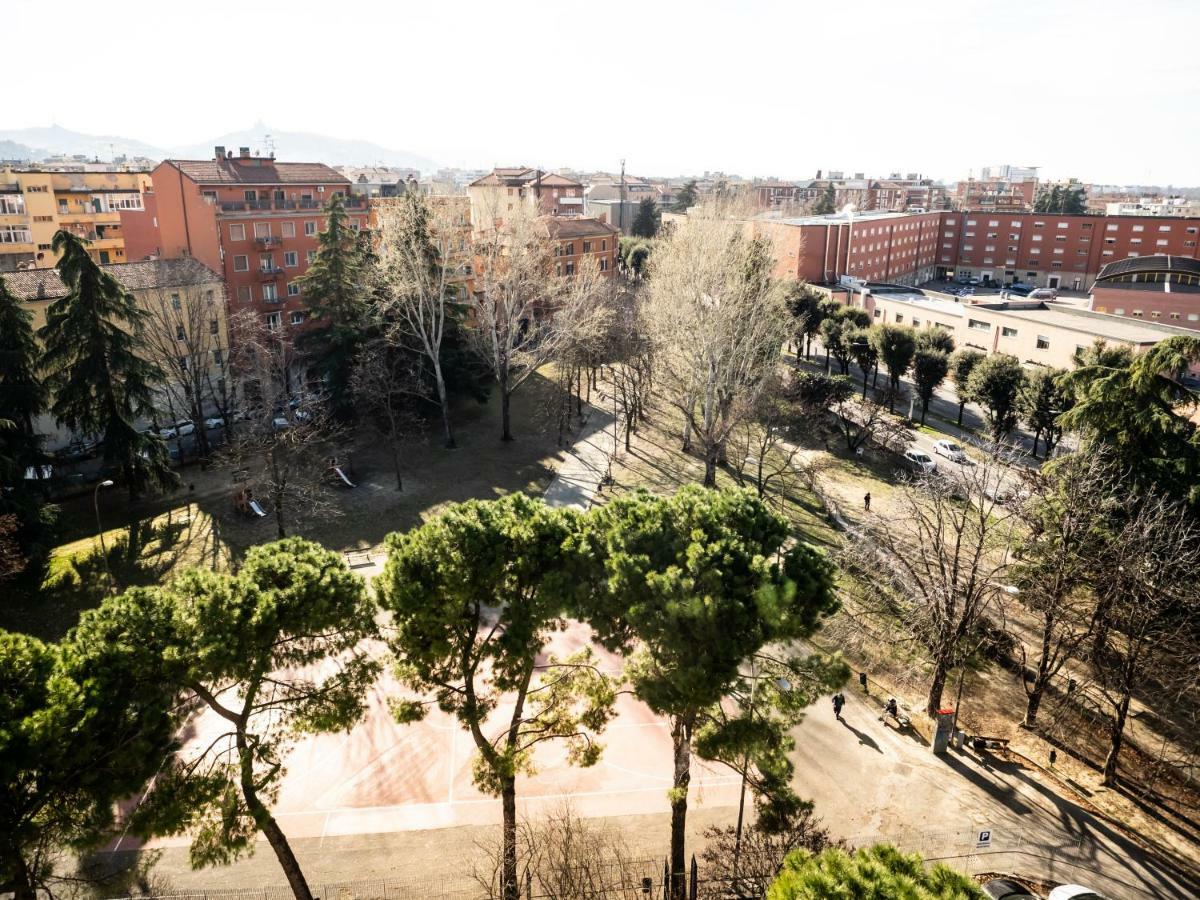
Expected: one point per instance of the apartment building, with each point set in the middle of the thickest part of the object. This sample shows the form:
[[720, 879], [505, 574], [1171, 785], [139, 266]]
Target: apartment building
[[185, 305], [253, 219], [1162, 289], [504, 190], [35, 203], [998, 189], [582, 241], [1037, 333], [1054, 250]]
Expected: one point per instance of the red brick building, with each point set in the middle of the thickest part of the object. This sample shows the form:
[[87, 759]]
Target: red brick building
[[253, 219], [1052, 250], [580, 240], [1164, 289]]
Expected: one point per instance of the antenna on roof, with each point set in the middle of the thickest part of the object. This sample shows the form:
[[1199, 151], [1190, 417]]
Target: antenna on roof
[[269, 145]]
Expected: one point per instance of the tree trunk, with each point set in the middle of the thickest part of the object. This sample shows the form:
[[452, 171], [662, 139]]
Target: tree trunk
[[1037, 434], [444, 402], [1034, 703], [510, 887], [396, 465], [962, 404], [505, 416], [1116, 733], [934, 702], [711, 453], [21, 885], [924, 410], [866, 375], [681, 739], [1042, 678], [267, 824]]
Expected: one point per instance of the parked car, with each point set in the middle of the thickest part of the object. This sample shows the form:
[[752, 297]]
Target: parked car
[[1074, 892], [1006, 889], [280, 423], [920, 461], [950, 450], [1043, 294], [182, 428], [213, 422]]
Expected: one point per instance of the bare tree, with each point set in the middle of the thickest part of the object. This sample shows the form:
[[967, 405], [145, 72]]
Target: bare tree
[[388, 384], [186, 336], [863, 422], [284, 440], [937, 565], [1150, 592], [565, 857], [424, 255], [527, 300], [763, 445], [1059, 557], [718, 321], [629, 352]]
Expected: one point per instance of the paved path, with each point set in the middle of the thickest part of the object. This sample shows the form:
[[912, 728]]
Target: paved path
[[586, 465], [870, 782]]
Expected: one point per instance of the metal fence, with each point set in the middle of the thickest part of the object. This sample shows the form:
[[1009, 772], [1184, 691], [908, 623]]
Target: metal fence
[[970, 850]]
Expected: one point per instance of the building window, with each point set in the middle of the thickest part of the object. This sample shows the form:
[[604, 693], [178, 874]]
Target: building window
[[251, 196], [214, 326], [977, 325], [273, 320], [1164, 227], [180, 333], [1008, 332], [266, 262], [587, 246], [244, 293], [1043, 342], [603, 246], [218, 356], [1139, 227], [1155, 314], [287, 229], [270, 293], [175, 302], [1110, 227], [1137, 313], [262, 229], [297, 318], [291, 259], [993, 224], [237, 232], [310, 228], [309, 256], [1160, 243], [603, 265], [241, 264], [878, 312], [1037, 237], [293, 289], [1063, 224], [1119, 311]]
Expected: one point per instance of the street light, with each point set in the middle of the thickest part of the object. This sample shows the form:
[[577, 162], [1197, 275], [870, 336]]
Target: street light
[[106, 483]]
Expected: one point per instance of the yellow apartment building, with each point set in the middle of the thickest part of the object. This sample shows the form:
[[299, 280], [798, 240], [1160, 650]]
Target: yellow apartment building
[[35, 204]]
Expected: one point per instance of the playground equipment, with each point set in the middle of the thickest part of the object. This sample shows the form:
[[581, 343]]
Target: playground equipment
[[244, 502], [337, 472]]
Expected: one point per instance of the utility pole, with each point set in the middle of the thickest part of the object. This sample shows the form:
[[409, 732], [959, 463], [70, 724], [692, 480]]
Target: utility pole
[[622, 207]]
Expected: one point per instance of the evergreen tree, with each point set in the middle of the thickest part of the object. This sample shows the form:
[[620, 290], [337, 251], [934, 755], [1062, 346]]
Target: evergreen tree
[[961, 364], [686, 197], [896, 345], [100, 381], [880, 871], [826, 203], [645, 223], [1042, 400], [994, 383], [335, 291], [929, 370]]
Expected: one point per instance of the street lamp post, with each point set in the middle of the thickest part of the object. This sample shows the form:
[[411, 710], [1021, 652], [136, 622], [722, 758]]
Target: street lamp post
[[106, 483]]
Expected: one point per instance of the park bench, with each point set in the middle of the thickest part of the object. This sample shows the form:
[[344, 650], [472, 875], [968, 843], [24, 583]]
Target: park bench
[[357, 559]]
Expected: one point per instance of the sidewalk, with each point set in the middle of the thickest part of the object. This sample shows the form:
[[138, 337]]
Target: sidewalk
[[586, 465]]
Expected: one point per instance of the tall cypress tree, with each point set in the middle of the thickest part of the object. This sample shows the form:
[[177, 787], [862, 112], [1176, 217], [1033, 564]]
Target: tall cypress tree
[[335, 292], [100, 382], [22, 394]]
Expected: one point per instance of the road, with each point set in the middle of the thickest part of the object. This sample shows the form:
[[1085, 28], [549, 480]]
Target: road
[[872, 783]]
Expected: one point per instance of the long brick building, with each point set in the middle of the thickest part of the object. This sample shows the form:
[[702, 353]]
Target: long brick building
[[1061, 251]]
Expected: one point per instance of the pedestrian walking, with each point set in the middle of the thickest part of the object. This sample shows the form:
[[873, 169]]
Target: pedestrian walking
[[838, 702], [867, 502]]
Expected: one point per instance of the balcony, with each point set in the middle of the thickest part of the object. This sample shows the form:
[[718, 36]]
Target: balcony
[[271, 240], [265, 274], [267, 205]]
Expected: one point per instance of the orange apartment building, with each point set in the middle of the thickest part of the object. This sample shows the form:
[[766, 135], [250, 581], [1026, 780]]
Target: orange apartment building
[[580, 240], [253, 219]]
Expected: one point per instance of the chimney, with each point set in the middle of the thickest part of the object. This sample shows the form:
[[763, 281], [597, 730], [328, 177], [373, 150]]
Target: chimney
[[244, 152], [818, 174], [219, 152]]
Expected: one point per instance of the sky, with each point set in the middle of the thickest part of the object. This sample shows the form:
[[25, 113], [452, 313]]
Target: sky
[[1100, 90]]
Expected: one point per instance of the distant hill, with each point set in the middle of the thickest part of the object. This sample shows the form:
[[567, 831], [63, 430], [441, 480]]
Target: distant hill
[[13, 150], [302, 146], [298, 146], [56, 139]]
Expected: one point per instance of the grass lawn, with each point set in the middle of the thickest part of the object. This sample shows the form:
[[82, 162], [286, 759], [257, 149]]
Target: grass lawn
[[197, 524]]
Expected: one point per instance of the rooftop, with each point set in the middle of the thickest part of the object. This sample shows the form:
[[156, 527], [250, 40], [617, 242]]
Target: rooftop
[[836, 218], [47, 284], [1094, 324], [519, 176], [256, 170], [1139, 265], [575, 226]]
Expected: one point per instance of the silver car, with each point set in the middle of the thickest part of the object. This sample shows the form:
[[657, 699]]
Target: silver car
[[950, 450]]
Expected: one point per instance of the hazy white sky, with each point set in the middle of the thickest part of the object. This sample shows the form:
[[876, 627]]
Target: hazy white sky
[[1103, 89]]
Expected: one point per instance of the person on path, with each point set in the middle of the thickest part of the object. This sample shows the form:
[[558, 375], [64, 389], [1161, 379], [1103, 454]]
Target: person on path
[[838, 702], [867, 502]]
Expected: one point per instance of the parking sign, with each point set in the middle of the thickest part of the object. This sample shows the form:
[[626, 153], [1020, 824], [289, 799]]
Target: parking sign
[[984, 840]]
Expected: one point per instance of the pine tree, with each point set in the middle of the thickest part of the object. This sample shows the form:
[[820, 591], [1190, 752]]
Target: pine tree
[[687, 197], [22, 394], [335, 292], [826, 202], [100, 381], [645, 223]]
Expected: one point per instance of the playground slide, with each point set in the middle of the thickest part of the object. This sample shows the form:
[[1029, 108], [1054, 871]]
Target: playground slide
[[342, 475], [258, 510]]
